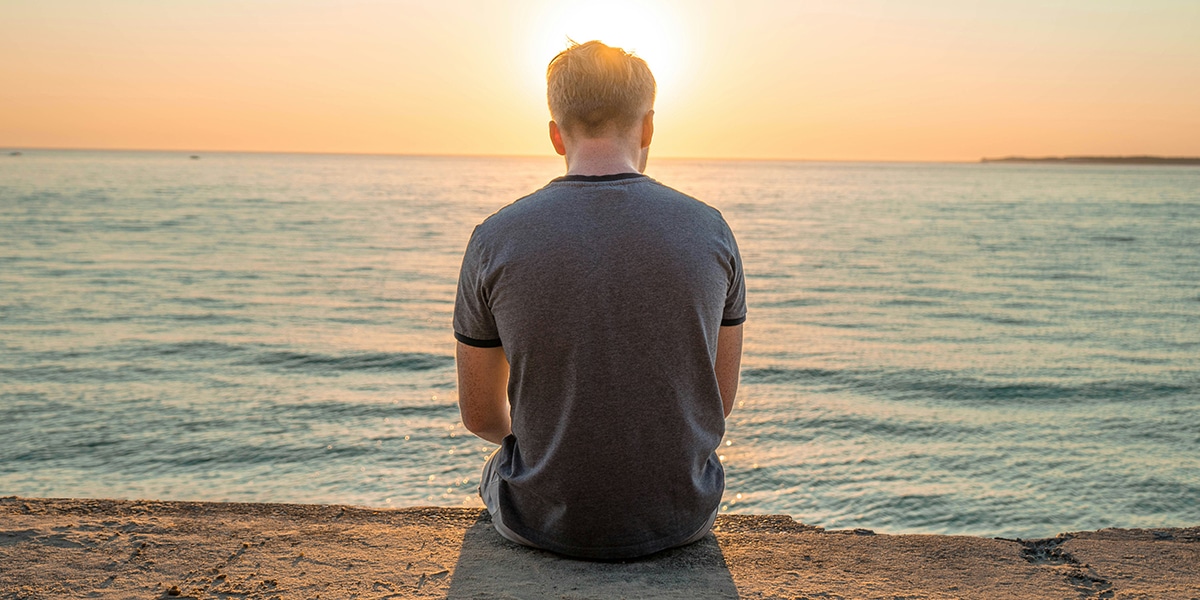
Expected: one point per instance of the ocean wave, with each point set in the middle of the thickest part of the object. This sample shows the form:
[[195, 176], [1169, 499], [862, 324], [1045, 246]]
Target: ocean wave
[[368, 361], [326, 411], [998, 319], [153, 437], [262, 355], [53, 373], [793, 430], [942, 385], [199, 348], [143, 360], [793, 303]]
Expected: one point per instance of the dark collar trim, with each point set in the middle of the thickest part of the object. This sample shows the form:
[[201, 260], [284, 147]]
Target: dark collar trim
[[597, 178]]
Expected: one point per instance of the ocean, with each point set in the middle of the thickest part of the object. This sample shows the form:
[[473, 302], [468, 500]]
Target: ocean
[[1001, 349]]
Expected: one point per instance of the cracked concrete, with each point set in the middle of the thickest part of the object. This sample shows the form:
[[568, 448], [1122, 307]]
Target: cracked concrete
[[1081, 576], [146, 549]]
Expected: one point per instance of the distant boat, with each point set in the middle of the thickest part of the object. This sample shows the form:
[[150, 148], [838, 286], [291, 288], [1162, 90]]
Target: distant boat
[[195, 157], [14, 153]]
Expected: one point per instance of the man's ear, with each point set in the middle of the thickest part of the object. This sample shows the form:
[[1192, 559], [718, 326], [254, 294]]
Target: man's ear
[[556, 139], [647, 128]]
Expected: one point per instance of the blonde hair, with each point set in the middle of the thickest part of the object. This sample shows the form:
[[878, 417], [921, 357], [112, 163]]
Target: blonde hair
[[592, 88]]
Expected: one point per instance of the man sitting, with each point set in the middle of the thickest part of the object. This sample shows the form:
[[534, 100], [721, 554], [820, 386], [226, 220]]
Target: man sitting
[[599, 327]]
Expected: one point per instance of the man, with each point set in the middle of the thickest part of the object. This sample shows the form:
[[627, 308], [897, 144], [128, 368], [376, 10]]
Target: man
[[599, 327]]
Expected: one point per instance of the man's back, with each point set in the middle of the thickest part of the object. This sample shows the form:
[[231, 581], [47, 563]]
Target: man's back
[[599, 333], [607, 294]]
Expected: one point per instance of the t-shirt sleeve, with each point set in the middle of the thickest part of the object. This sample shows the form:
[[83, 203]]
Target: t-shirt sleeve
[[474, 324], [735, 297]]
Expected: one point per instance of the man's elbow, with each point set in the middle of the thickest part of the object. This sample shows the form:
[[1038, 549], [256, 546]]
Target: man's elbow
[[476, 424], [489, 426]]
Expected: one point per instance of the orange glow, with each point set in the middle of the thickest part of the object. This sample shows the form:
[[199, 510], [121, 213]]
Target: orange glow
[[655, 32], [855, 80]]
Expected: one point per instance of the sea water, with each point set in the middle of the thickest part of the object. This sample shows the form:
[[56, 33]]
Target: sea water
[[993, 349]]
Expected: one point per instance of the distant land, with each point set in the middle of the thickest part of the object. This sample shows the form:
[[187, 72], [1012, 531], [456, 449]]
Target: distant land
[[1099, 160]]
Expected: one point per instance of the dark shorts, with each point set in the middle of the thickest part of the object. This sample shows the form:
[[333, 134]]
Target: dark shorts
[[489, 491]]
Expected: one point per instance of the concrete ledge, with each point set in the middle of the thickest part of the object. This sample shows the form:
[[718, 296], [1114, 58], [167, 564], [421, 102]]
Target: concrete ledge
[[52, 548]]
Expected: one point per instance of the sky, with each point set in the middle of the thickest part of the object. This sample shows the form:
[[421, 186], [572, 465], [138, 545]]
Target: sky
[[920, 80]]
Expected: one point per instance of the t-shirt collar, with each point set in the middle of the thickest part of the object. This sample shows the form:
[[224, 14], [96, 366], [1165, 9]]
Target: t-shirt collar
[[597, 178]]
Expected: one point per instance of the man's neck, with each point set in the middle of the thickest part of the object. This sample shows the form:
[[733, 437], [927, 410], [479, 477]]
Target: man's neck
[[603, 156]]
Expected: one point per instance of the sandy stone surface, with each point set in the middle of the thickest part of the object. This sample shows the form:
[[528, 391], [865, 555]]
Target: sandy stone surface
[[147, 549]]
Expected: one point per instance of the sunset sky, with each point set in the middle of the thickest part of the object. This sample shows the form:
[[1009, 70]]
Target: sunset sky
[[824, 79]]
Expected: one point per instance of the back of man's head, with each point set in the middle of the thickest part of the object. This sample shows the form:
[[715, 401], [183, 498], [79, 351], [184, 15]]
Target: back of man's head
[[596, 90]]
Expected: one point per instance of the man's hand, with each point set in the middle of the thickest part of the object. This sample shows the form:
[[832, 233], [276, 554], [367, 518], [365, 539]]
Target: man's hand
[[729, 364], [483, 391]]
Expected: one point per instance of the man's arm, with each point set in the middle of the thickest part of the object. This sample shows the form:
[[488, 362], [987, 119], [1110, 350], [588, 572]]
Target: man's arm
[[729, 364], [483, 391]]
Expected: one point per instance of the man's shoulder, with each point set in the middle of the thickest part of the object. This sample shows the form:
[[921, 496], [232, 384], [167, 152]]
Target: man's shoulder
[[555, 204], [511, 215], [685, 208], [684, 199]]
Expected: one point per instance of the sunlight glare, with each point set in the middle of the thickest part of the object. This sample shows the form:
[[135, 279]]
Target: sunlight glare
[[647, 29]]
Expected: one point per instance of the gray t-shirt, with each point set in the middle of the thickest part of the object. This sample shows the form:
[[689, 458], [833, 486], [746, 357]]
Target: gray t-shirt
[[607, 294]]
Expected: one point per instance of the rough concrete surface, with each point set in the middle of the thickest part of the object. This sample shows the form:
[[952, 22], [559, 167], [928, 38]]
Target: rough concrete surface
[[55, 548]]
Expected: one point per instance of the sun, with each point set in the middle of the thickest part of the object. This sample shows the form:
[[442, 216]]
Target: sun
[[649, 30]]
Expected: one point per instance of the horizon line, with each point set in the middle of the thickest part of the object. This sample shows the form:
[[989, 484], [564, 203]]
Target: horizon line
[[981, 160], [7, 149]]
